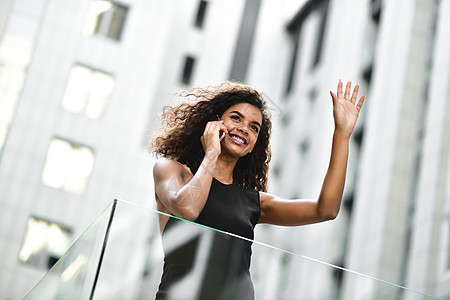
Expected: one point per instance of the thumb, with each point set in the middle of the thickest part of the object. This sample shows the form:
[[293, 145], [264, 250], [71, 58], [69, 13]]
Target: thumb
[[333, 96]]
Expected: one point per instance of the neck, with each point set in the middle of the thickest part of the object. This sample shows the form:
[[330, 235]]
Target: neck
[[224, 168]]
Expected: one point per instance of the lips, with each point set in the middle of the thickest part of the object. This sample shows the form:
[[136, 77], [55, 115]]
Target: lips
[[238, 139]]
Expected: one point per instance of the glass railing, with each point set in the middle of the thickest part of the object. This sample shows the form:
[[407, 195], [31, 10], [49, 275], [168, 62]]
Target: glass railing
[[120, 256], [75, 274]]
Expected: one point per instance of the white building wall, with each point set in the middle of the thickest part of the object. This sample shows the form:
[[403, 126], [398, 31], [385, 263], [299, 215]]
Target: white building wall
[[147, 67], [380, 142], [429, 268], [212, 47], [392, 116], [122, 168], [302, 119]]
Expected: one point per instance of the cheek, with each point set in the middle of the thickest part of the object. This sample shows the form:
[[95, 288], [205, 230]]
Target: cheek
[[254, 139], [229, 125]]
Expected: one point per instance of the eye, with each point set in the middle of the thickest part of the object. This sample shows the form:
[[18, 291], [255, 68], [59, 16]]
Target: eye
[[235, 117], [255, 128]]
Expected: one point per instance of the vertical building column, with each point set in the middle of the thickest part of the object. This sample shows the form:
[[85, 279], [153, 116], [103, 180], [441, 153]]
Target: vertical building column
[[245, 40], [19, 26], [429, 264], [393, 123]]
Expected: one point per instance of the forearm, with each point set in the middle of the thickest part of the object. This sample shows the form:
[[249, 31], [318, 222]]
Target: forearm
[[279, 211], [333, 186]]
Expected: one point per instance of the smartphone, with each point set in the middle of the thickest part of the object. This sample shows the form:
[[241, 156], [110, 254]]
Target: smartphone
[[221, 132]]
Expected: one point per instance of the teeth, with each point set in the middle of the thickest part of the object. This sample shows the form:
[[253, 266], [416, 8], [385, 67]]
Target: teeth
[[238, 139]]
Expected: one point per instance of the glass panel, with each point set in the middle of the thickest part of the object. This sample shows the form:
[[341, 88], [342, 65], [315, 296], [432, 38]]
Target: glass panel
[[74, 274], [201, 263], [132, 241]]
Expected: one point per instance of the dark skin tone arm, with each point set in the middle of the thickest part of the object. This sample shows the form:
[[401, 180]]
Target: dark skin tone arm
[[179, 192], [183, 194], [278, 211]]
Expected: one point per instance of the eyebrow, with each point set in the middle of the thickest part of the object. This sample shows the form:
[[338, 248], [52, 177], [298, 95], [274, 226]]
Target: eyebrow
[[242, 116]]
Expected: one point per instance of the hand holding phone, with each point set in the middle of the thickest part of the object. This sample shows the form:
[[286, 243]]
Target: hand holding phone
[[221, 132]]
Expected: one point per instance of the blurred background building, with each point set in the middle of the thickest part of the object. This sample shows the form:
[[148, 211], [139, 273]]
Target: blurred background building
[[82, 81]]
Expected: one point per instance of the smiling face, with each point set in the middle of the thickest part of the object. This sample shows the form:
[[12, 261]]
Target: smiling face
[[243, 122]]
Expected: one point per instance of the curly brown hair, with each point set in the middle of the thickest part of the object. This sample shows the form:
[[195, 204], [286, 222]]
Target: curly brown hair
[[186, 122]]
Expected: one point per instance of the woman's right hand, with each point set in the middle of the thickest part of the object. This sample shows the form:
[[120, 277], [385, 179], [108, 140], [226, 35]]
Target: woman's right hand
[[211, 137]]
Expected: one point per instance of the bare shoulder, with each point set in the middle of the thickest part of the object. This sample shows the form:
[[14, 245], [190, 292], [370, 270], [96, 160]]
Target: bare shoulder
[[167, 168], [269, 206], [265, 197]]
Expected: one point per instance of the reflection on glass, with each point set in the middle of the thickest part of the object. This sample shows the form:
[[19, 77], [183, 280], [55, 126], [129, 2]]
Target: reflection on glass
[[68, 166], [75, 268], [74, 275], [130, 266], [45, 242], [204, 264], [87, 91]]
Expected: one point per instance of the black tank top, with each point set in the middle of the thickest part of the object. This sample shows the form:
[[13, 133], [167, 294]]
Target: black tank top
[[200, 263]]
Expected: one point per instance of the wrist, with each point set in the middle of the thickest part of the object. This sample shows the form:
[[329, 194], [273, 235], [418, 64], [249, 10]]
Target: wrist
[[341, 134], [209, 162], [211, 155]]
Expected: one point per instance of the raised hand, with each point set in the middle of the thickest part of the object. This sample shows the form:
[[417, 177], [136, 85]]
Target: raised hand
[[345, 109]]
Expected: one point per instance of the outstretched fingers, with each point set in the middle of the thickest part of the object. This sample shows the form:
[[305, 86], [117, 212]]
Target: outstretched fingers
[[341, 95], [333, 96], [348, 87], [339, 90], [360, 102], [355, 94]]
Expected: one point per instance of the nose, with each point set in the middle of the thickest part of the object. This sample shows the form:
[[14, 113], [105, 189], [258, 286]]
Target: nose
[[243, 129]]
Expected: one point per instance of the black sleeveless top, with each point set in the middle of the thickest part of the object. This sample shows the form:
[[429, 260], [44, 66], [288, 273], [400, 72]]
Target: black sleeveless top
[[201, 263]]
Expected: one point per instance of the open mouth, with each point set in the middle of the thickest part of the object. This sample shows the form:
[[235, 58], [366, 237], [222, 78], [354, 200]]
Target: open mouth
[[238, 139]]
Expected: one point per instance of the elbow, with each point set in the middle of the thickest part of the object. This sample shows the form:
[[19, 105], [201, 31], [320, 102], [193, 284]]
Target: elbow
[[187, 202], [328, 208], [180, 207], [329, 215], [189, 214]]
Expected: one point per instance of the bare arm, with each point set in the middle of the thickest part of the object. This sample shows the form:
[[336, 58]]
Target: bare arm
[[278, 211], [181, 192]]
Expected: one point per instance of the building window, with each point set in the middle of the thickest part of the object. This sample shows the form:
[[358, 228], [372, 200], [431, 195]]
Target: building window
[[44, 243], [312, 10], [201, 11], [189, 63], [304, 146], [322, 11], [375, 9], [88, 91], [68, 166], [105, 18]]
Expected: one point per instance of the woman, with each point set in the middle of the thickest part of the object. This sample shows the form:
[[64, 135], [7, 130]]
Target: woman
[[214, 172]]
